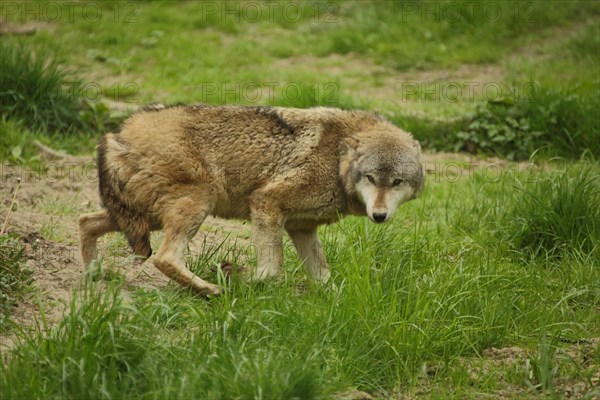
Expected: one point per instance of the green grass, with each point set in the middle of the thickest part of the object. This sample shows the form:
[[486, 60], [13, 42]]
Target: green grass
[[420, 35], [227, 45], [558, 216], [426, 291], [488, 260], [35, 88], [14, 276]]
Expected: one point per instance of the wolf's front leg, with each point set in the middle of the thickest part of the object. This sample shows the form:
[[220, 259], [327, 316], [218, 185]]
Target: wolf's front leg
[[267, 230], [309, 250]]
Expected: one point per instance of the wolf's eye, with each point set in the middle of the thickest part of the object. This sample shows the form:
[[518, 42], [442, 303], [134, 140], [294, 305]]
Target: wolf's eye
[[397, 182], [371, 179]]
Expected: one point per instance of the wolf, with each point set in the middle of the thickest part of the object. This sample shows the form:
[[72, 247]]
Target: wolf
[[281, 168]]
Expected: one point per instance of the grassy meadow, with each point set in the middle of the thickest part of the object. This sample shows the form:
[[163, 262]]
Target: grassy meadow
[[487, 286]]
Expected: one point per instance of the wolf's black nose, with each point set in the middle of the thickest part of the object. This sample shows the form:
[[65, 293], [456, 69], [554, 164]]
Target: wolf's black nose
[[379, 217]]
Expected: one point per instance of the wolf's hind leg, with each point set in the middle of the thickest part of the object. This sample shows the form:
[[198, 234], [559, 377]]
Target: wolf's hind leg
[[91, 227], [310, 252], [181, 222]]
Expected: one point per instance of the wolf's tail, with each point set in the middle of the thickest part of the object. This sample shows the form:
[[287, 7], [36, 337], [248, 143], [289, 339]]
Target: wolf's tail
[[114, 171]]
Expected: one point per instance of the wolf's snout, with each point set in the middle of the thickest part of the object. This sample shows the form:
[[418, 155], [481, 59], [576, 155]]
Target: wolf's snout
[[379, 217]]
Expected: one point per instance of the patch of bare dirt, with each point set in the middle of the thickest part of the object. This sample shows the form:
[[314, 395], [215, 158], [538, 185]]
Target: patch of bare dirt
[[576, 375], [347, 65], [352, 394], [514, 372], [581, 356]]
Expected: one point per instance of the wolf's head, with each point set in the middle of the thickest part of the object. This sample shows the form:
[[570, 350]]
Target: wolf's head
[[383, 171]]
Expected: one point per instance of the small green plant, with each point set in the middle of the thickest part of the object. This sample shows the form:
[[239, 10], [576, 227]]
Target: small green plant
[[561, 123], [499, 128]]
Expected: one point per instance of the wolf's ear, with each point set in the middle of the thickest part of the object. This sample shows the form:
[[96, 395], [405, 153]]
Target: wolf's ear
[[351, 142]]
